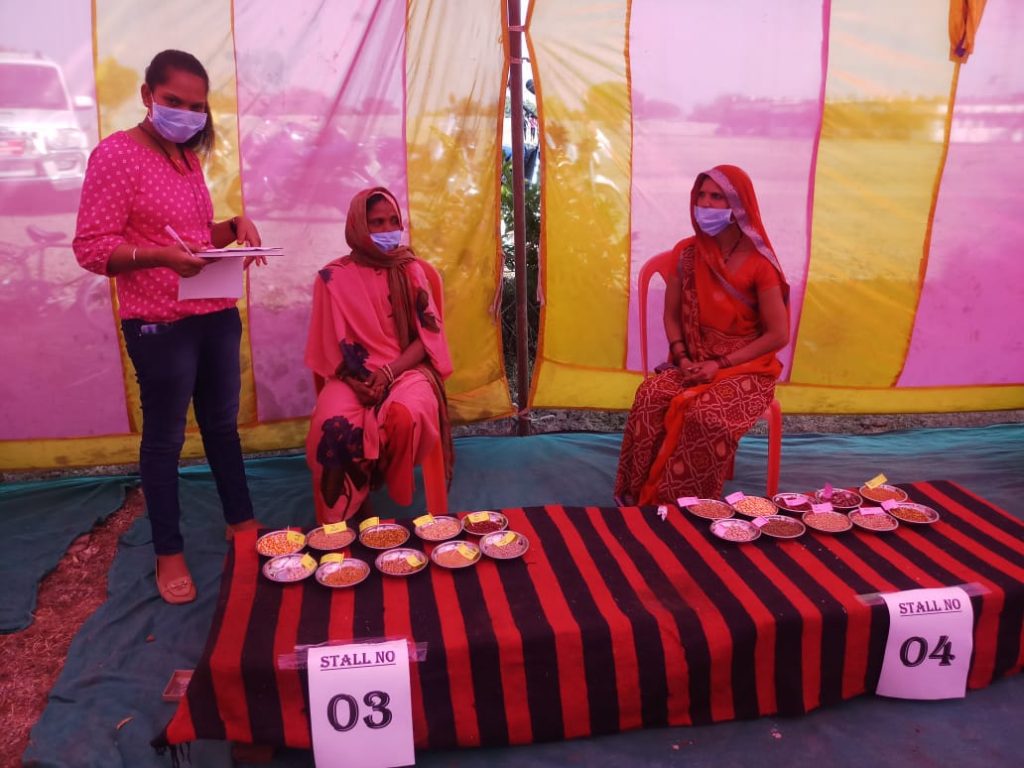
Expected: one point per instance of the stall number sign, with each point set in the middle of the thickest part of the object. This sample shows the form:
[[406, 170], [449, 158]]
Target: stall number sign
[[359, 702], [930, 641]]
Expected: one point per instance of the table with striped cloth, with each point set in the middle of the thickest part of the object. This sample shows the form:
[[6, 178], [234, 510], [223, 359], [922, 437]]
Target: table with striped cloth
[[612, 620]]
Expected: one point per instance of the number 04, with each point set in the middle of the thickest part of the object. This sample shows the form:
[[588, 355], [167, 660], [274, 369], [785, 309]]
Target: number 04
[[914, 651]]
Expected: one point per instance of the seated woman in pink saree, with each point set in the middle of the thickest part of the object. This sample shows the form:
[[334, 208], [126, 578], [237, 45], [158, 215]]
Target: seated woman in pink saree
[[726, 315], [376, 340]]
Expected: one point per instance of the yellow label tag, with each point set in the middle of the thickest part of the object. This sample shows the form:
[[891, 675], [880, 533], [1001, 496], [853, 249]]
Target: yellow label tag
[[506, 538], [876, 481], [294, 537], [308, 562], [466, 551], [413, 560], [478, 517], [336, 527], [369, 522], [332, 557], [423, 520]]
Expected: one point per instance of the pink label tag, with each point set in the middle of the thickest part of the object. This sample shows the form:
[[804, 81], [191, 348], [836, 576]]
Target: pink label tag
[[685, 501], [760, 522], [872, 511], [732, 498], [826, 492], [889, 504], [826, 507]]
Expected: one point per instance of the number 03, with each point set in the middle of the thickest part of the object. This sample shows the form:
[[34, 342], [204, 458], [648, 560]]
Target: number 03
[[377, 701]]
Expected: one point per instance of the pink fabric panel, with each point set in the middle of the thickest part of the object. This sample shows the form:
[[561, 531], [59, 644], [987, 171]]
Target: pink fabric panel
[[62, 368], [721, 83], [321, 108], [967, 329]]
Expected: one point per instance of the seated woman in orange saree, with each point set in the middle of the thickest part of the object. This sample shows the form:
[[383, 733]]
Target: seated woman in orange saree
[[726, 315], [377, 342]]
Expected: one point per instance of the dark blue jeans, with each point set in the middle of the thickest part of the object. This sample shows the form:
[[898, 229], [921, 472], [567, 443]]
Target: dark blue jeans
[[195, 359]]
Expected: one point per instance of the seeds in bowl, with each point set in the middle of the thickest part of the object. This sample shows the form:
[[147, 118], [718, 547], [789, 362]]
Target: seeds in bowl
[[288, 568], [504, 545], [782, 527], [456, 554], [439, 528], [840, 498], [710, 509], [480, 523], [792, 502], [347, 573], [384, 536], [914, 513], [401, 562], [735, 530], [755, 506], [828, 522], [322, 539], [874, 522], [883, 493], [281, 542]]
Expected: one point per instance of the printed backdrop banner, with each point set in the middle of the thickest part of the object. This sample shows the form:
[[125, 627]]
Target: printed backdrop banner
[[887, 173]]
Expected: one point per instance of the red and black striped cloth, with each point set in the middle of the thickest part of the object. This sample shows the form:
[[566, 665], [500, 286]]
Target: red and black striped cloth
[[612, 620]]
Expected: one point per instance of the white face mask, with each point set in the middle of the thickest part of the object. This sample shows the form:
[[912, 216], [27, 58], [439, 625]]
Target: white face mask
[[387, 241], [712, 220]]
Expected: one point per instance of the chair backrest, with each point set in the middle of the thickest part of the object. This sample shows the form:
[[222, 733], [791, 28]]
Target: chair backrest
[[662, 264]]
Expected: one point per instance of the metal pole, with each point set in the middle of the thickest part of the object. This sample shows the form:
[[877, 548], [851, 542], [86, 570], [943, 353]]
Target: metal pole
[[515, 47]]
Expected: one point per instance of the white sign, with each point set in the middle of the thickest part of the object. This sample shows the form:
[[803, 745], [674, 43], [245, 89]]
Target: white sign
[[931, 637], [359, 705]]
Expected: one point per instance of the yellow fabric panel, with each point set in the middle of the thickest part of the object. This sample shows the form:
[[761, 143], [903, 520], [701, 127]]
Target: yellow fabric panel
[[65, 453], [455, 62], [881, 150], [127, 37], [578, 51], [796, 398], [614, 390]]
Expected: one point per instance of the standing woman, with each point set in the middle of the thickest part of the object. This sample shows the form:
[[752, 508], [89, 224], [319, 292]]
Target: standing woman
[[377, 343], [137, 182], [726, 315]]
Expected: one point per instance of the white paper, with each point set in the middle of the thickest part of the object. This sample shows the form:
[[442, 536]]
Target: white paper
[[928, 651], [360, 705], [220, 253], [220, 279]]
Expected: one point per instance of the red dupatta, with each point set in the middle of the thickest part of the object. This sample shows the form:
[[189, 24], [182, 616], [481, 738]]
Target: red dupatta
[[718, 317], [403, 298]]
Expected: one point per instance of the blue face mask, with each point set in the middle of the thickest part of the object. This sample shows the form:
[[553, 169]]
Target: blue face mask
[[387, 241], [712, 220], [177, 125]]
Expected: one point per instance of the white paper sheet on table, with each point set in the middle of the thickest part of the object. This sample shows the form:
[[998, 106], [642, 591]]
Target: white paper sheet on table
[[222, 277]]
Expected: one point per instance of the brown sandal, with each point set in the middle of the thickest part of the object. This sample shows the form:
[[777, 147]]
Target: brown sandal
[[175, 591]]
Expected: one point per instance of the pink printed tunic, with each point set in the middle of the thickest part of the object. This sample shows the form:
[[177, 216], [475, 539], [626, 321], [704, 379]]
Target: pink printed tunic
[[352, 325], [130, 194]]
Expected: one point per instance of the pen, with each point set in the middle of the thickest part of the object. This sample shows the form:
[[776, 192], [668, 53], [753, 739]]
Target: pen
[[170, 231]]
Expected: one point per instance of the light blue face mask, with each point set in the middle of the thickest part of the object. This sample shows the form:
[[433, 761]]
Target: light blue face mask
[[177, 125], [387, 241], [712, 220]]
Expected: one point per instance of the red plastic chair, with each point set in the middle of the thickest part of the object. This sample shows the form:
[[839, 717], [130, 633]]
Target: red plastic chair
[[663, 264], [435, 487]]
